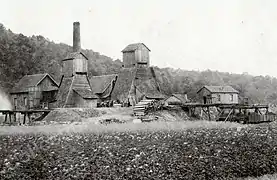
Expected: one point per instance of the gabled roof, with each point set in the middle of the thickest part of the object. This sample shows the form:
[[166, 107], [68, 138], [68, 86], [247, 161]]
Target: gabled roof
[[30, 81], [219, 89], [133, 47], [75, 55], [181, 97], [100, 83], [85, 93]]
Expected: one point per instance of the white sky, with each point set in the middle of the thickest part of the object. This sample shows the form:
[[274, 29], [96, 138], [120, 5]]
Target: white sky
[[225, 35]]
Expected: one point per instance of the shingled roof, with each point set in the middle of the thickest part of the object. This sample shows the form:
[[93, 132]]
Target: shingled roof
[[75, 55], [123, 83], [181, 97], [148, 86], [219, 89], [133, 47], [30, 81], [85, 93], [79, 84], [143, 80], [64, 90], [100, 83]]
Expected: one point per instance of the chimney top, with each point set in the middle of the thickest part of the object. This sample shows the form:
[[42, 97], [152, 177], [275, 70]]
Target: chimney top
[[76, 37]]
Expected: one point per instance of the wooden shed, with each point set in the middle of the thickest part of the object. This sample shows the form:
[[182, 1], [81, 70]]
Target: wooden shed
[[136, 55], [218, 95], [34, 91]]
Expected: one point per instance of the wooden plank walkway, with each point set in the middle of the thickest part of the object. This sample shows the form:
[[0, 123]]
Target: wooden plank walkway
[[236, 106], [25, 111]]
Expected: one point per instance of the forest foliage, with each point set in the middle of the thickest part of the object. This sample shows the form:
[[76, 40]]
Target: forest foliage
[[21, 55]]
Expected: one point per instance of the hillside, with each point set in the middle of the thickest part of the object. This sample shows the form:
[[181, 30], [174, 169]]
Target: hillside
[[20, 55]]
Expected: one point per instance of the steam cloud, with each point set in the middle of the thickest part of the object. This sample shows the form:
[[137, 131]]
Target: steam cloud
[[5, 103]]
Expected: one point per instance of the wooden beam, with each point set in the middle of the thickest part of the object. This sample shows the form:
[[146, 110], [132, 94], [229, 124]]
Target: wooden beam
[[218, 116], [14, 117], [29, 118], [193, 111], [24, 119], [201, 113], [190, 112], [260, 112], [10, 117], [204, 110], [228, 115], [6, 117], [208, 109]]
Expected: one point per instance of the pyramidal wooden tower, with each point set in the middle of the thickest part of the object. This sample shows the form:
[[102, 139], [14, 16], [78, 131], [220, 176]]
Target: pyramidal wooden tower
[[75, 89], [136, 80]]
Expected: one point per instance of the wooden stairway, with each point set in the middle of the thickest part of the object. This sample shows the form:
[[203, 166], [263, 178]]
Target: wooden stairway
[[141, 108]]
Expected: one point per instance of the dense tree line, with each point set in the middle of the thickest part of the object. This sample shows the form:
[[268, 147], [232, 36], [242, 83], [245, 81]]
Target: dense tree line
[[21, 55]]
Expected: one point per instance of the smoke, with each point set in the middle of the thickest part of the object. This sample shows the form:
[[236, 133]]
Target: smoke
[[5, 103]]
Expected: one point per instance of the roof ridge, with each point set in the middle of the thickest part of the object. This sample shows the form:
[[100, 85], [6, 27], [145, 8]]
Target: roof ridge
[[35, 74], [105, 75]]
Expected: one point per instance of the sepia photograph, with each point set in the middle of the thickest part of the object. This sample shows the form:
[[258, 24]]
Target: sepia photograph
[[149, 89]]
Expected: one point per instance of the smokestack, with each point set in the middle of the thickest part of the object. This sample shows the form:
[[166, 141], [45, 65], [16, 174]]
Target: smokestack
[[76, 37]]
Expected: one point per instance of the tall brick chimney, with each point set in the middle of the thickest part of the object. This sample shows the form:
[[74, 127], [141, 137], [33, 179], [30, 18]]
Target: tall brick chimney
[[76, 37]]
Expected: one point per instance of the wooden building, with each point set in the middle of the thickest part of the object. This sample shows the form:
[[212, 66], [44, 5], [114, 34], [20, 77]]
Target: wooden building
[[136, 55], [176, 99], [34, 91], [218, 95], [136, 80], [75, 89]]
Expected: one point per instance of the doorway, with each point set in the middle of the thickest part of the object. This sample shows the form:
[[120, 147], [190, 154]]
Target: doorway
[[205, 99]]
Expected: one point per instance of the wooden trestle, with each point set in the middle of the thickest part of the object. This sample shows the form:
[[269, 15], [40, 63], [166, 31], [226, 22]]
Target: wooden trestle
[[235, 112], [11, 115]]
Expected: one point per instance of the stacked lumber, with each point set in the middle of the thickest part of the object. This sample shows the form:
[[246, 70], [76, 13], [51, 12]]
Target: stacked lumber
[[141, 108]]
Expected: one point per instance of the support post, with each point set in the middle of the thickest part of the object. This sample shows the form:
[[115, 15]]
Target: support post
[[208, 109], [10, 117], [266, 115], [189, 112], [6, 117], [14, 117], [201, 113], [29, 118], [24, 118], [193, 111]]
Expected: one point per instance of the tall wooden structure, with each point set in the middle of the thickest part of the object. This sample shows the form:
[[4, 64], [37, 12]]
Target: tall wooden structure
[[136, 80], [75, 89]]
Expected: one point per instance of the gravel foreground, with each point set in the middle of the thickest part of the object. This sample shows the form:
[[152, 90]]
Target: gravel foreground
[[163, 153]]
